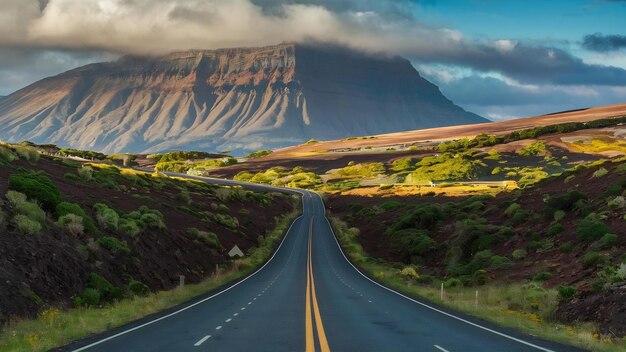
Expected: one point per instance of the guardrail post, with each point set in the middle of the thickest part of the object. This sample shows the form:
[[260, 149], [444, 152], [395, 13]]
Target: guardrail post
[[441, 294], [181, 280]]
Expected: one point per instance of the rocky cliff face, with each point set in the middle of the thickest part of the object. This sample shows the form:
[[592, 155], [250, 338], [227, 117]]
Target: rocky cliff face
[[237, 99]]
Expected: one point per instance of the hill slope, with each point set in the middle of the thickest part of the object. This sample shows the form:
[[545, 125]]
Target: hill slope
[[238, 99]]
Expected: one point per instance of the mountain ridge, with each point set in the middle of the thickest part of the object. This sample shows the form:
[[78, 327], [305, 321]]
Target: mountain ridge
[[237, 99]]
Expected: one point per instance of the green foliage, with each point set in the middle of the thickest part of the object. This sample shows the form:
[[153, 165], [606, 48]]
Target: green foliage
[[564, 202], [90, 297], [591, 228], [107, 217], [592, 259], [404, 164], [7, 155], [138, 288], [555, 229], [608, 240], [409, 272], [519, 254], [26, 226], [72, 223], [452, 283], [535, 148], [460, 166], [362, 170], [85, 154], [566, 292], [130, 227], [259, 154], [482, 140], [113, 244], [542, 276], [27, 153], [599, 173], [30, 210], [37, 186], [208, 238], [65, 208]]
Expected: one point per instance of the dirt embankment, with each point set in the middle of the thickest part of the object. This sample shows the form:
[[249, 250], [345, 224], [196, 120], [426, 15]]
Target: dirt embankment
[[50, 269]]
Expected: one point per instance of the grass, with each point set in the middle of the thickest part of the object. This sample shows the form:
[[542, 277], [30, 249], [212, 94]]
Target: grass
[[54, 327], [526, 307]]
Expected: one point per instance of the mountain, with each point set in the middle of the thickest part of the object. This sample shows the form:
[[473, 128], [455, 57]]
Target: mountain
[[238, 99]]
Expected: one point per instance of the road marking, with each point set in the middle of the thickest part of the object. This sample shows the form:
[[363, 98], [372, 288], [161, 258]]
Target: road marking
[[243, 308], [321, 334], [254, 299], [310, 345], [236, 314], [441, 348], [228, 320], [218, 327], [249, 303], [426, 305], [201, 341], [212, 296]]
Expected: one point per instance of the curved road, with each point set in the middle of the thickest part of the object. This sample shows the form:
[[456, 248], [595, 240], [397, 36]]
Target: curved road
[[308, 297]]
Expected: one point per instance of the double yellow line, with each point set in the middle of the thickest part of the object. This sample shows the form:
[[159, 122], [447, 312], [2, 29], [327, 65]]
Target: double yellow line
[[311, 298]]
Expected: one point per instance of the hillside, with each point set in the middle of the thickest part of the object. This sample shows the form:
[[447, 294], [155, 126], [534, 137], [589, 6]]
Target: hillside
[[88, 234], [228, 99]]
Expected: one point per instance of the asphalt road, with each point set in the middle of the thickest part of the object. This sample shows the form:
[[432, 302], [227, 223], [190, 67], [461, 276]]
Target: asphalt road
[[309, 297]]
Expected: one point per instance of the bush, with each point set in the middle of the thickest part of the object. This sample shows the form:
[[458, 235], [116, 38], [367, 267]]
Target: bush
[[65, 208], [519, 254], [153, 221], [566, 292], [113, 244], [592, 259], [138, 288], [89, 297], [600, 172], [208, 238], [409, 272], [555, 229], [591, 228], [511, 209], [15, 197], [26, 226], [31, 210], [129, 227], [559, 215], [36, 186], [107, 291], [107, 217], [72, 223], [617, 203], [542, 276], [452, 282], [608, 240]]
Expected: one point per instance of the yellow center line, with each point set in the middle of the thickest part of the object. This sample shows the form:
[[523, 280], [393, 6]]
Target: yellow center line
[[321, 335], [310, 347], [311, 297]]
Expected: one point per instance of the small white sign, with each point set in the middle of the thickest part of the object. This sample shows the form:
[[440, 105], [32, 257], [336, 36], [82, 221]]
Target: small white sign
[[236, 252]]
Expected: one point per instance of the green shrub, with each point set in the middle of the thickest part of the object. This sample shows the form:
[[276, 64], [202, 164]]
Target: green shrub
[[129, 227], [89, 297], [519, 216], [72, 223], [26, 226], [555, 229], [566, 292], [85, 172], [567, 247], [72, 176], [108, 292], [107, 217], [519, 254], [592, 259], [65, 208], [30, 210], [27, 153], [565, 201], [153, 220], [617, 203], [591, 228], [138, 288], [452, 282], [208, 238], [113, 244], [559, 215], [608, 240], [533, 149], [542, 276], [36, 186], [409, 272], [600, 172], [511, 209], [15, 197], [7, 155]]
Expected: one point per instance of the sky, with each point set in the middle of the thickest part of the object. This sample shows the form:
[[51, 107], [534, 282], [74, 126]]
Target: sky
[[499, 59]]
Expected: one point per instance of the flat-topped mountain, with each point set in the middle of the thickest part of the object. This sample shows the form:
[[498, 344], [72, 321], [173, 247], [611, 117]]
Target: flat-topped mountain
[[238, 99]]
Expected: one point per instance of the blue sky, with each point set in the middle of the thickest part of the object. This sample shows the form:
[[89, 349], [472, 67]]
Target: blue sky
[[500, 59]]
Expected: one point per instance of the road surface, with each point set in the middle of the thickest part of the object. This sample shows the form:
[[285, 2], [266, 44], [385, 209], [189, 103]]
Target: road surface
[[308, 297]]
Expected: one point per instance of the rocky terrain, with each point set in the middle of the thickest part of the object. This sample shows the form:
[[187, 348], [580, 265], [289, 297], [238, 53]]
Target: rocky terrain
[[235, 99]]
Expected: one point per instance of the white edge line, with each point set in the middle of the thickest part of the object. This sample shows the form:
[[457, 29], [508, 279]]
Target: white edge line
[[203, 300], [441, 348], [201, 341], [426, 305]]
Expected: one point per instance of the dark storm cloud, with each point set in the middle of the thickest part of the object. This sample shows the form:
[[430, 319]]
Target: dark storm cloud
[[604, 43]]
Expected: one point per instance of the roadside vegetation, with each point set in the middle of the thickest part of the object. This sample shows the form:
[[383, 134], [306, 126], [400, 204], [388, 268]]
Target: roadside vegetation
[[547, 259], [83, 239]]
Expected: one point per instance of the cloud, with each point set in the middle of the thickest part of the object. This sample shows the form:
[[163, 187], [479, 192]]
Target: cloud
[[157, 26], [499, 99], [604, 43]]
